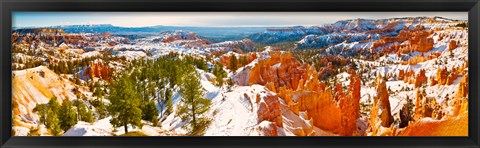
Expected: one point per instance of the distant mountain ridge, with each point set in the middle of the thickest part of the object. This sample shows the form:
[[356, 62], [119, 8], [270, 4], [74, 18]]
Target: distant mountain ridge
[[351, 30], [215, 34]]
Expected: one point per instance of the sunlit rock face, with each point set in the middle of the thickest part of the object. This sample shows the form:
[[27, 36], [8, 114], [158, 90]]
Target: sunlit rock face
[[380, 115], [265, 128], [428, 127], [463, 87], [269, 109], [299, 87], [411, 78], [417, 39], [36, 86], [97, 69], [452, 45], [420, 78], [225, 60], [281, 69], [445, 76]]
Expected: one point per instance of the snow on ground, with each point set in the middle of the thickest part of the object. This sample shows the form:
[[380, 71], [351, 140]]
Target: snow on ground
[[233, 114], [99, 128], [130, 54], [36, 86], [439, 92], [104, 128], [90, 54]]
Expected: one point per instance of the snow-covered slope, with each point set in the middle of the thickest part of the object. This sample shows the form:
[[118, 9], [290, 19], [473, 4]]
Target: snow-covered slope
[[37, 86]]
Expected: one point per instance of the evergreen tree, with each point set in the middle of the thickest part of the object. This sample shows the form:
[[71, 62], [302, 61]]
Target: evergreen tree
[[168, 99], [150, 112], [53, 124], [125, 104], [41, 110], [53, 104], [194, 105], [83, 113], [68, 115], [233, 63], [34, 131], [219, 73], [101, 109], [243, 60]]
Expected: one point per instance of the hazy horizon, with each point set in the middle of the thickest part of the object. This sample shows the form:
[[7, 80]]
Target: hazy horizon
[[208, 19]]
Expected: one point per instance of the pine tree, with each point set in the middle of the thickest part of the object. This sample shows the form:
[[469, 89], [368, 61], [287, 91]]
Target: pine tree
[[194, 105], [34, 131], [53, 123], [83, 113], [125, 104], [150, 112], [68, 115], [101, 109], [41, 110], [168, 99], [53, 104], [233, 63], [243, 60], [219, 73]]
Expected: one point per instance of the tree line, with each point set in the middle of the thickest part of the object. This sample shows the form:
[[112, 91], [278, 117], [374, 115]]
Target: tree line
[[142, 91]]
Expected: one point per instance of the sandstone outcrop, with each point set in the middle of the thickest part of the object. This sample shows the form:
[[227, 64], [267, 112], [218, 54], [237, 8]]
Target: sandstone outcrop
[[298, 85], [418, 40], [452, 45], [420, 78], [281, 68], [226, 59], [424, 106], [445, 76], [269, 109], [266, 128], [97, 69], [433, 81], [382, 103], [463, 87], [452, 127]]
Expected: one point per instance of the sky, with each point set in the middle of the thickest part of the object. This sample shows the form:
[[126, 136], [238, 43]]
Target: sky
[[208, 19]]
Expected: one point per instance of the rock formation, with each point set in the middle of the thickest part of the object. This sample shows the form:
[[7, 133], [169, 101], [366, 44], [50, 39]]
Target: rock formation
[[269, 109], [452, 45], [298, 85], [266, 128], [381, 102], [418, 40], [420, 79], [97, 69], [463, 87], [433, 81], [226, 59], [446, 77]]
